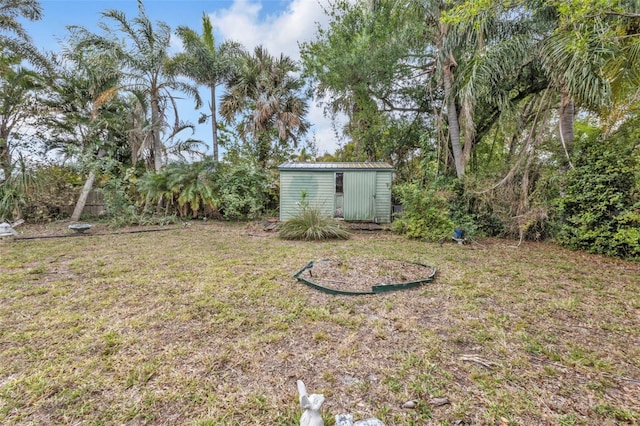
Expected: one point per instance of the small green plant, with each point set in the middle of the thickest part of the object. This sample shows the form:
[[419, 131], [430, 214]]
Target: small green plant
[[311, 224], [617, 413], [568, 420]]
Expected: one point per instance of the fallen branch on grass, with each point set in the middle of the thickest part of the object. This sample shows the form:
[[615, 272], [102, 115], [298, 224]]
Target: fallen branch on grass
[[481, 362]]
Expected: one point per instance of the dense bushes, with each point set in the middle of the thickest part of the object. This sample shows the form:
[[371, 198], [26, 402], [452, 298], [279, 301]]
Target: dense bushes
[[477, 214], [600, 210], [594, 207], [39, 194], [431, 213], [242, 191], [182, 188], [426, 213], [233, 191]]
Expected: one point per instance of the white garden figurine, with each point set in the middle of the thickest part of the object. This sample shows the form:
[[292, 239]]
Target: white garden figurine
[[347, 420], [311, 405]]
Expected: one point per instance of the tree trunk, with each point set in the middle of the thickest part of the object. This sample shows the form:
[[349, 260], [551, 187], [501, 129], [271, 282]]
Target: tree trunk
[[136, 134], [566, 117], [214, 124], [5, 159], [467, 150], [82, 200], [264, 147], [155, 134], [452, 115]]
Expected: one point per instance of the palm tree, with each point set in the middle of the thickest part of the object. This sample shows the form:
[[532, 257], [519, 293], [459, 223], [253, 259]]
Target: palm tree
[[265, 99], [143, 54], [208, 65], [484, 56], [574, 48], [187, 187], [17, 86], [14, 40], [594, 60], [85, 121], [574, 73], [15, 45]]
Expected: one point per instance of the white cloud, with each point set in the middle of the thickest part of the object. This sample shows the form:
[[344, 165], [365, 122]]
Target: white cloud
[[279, 32]]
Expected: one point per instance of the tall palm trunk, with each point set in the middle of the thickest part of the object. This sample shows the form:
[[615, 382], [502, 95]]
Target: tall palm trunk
[[566, 118], [452, 114], [155, 134], [5, 149], [467, 149], [214, 124]]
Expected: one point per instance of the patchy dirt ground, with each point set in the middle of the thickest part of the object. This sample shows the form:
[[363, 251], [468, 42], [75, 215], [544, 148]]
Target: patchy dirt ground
[[204, 324], [61, 229]]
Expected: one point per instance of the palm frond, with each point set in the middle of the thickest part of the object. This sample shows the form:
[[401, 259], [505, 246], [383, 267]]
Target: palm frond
[[574, 65]]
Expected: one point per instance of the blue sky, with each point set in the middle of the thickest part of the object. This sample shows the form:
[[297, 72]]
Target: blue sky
[[279, 25]]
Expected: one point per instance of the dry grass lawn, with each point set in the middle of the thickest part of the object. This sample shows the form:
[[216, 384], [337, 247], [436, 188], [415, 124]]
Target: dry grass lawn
[[204, 325]]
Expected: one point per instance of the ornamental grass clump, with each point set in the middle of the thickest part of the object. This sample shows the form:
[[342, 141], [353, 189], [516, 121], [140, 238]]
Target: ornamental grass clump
[[311, 225]]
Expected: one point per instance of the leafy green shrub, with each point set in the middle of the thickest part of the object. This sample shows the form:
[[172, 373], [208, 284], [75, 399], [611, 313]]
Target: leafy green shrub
[[119, 204], [426, 214], [238, 191], [12, 201], [310, 224], [154, 189], [122, 209], [193, 186], [242, 191], [39, 193], [600, 208], [474, 213]]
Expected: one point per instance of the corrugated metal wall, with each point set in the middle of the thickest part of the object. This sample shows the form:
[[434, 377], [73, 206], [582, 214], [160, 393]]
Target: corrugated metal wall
[[359, 196], [383, 196], [319, 187]]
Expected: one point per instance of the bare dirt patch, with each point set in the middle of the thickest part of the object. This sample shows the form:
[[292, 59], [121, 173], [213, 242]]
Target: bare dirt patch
[[362, 273]]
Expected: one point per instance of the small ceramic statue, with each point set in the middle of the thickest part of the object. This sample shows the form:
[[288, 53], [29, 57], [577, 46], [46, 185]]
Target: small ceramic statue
[[347, 420], [311, 405], [311, 417], [7, 230]]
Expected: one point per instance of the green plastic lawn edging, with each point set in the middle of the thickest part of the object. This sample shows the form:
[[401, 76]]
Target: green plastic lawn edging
[[376, 289]]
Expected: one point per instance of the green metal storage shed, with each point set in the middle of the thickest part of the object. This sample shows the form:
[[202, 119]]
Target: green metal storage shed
[[357, 192]]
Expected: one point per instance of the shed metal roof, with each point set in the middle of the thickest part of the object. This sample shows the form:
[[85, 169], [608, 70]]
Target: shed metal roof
[[320, 166]]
